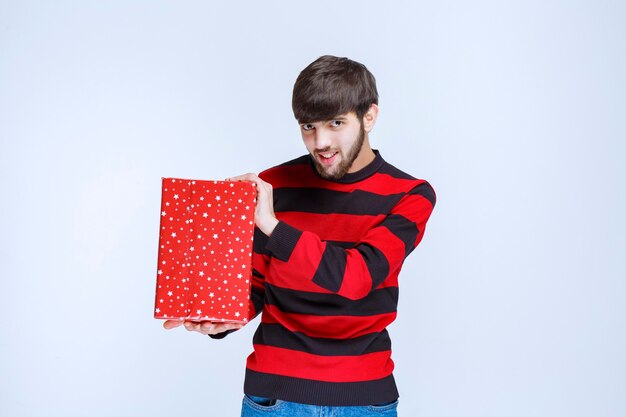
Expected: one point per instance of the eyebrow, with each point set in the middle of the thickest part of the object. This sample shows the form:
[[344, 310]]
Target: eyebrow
[[340, 117]]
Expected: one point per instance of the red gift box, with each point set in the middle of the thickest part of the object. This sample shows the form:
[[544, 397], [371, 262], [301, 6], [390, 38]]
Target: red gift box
[[205, 250]]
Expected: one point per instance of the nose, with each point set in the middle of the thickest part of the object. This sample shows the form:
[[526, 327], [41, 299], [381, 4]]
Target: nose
[[323, 139]]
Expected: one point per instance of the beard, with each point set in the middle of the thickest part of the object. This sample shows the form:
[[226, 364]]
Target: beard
[[346, 160]]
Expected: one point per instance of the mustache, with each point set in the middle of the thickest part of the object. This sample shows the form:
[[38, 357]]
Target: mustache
[[326, 149]]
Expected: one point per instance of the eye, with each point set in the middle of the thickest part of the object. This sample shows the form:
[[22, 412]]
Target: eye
[[336, 123], [307, 127]]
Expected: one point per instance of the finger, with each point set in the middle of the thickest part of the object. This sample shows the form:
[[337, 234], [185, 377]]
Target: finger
[[207, 327], [245, 177], [171, 324], [222, 327], [191, 326], [204, 327]]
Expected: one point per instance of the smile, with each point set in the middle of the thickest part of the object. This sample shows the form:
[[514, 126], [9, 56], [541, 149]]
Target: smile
[[327, 158]]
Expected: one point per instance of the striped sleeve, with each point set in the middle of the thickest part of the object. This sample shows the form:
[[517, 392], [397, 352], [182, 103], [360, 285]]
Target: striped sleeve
[[354, 272], [260, 260]]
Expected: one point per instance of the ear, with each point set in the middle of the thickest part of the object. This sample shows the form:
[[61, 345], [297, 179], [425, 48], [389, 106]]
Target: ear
[[369, 119]]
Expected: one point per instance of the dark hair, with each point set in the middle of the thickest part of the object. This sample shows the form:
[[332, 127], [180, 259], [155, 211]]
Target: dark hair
[[330, 86]]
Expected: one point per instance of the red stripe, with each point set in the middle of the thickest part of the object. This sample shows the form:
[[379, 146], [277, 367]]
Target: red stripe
[[393, 248], [332, 327], [307, 256], [357, 281], [296, 175], [418, 208], [391, 281], [297, 364], [259, 262]]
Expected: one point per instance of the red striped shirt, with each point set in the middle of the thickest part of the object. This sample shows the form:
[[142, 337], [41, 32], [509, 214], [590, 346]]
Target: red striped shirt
[[326, 281]]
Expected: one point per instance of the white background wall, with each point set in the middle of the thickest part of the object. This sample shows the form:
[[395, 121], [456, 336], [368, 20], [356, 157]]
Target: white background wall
[[514, 304]]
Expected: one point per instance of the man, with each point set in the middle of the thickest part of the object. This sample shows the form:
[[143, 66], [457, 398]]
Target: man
[[333, 228]]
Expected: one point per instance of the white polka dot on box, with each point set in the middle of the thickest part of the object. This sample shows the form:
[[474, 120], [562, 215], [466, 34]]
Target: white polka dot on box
[[205, 250]]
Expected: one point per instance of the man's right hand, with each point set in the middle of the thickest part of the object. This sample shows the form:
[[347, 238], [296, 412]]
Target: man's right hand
[[264, 216], [204, 327]]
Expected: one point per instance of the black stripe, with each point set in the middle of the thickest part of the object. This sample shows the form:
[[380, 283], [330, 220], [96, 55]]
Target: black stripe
[[222, 335], [278, 336], [426, 191], [404, 229], [331, 268], [341, 244], [259, 242], [379, 301], [283, 242], [307, 391], [394, 172], [324, 201], [376, 262], [257, 296]]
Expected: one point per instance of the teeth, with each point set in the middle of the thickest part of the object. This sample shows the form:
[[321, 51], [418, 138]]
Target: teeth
[[328, 155]]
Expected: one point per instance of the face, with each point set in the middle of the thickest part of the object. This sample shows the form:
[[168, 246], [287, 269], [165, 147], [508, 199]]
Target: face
[[336, 145]]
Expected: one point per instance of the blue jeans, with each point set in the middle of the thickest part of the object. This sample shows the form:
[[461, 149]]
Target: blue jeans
[[261, 407]]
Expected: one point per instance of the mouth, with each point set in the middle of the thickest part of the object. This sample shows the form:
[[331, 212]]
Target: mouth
[[327, 158]]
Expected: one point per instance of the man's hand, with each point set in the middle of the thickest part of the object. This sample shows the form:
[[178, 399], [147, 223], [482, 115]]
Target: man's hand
[[204, 327], [264, 217]]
